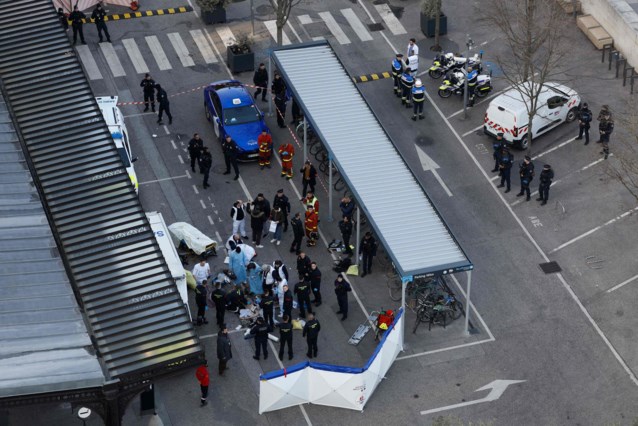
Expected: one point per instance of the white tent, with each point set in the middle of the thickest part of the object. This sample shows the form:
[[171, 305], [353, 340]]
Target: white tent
[[67, 5]]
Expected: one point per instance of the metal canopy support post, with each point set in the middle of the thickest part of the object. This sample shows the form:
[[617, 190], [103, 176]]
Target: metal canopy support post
[[357, 252], [404, 282], [469, 43], [305, 139], [467, 306], [330, 218]]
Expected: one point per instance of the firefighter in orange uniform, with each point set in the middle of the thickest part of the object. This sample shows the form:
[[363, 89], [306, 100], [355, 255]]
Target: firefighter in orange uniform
[[265, 149], [311, 200], [312, 221], [286, 152]]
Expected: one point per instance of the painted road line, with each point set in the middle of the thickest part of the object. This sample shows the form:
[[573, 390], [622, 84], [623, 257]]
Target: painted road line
[[472, 131], [181, 160], [598, 228], [224, 32], [210, 220], [554, 148], [334, 27], [195, 189], [212, 43], [203, 46], [391, 21], [202, 203], [304, 19], [271, 26], [161, 180], [158, 53], [318, 38], [622, 284], [173, 143], [89, 63], [181, 49], [135, 55], [356, 25]]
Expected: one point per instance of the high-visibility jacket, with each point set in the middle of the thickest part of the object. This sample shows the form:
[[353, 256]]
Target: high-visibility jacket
[[287, 151], [418, 94], [397, 67], [407, 81], [314, 202]]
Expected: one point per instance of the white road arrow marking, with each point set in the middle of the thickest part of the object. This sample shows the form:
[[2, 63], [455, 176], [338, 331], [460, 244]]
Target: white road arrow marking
[[429, 165], [497, 389]]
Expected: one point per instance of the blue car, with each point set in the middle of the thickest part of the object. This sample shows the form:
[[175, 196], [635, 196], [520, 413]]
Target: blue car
[[232, 110]]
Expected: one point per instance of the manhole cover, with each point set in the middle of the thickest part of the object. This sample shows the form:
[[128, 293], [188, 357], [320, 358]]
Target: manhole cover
[[550, 267], [376, 27]]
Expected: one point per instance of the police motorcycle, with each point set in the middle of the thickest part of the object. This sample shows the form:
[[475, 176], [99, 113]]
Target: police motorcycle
[[454, 84], [446, 62]]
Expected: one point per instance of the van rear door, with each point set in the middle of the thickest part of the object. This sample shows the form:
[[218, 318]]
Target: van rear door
[[499, 119]]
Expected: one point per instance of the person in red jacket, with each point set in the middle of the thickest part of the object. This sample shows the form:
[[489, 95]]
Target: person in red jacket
[[204, 381], [312, 221], [265, 149], [286, 152]]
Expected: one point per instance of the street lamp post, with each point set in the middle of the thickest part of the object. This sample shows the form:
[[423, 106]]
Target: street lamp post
[[469, 43]]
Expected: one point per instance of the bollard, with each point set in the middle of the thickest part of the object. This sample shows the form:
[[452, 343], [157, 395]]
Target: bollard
[[605, 47], [618, 62]]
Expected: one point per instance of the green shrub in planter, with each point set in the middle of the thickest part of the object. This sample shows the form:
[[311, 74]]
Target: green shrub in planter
[[240, 56]]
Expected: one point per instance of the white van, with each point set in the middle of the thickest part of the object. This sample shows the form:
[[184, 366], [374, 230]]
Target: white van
[[115, 120], [170, 254], [507, 113]]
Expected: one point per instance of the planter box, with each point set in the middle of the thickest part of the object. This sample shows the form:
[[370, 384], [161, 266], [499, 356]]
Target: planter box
[[215, 16], [428, 25], [240, 62]]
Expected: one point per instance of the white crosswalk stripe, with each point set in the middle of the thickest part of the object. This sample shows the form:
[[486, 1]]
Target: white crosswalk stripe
[[203, 46], [304, 19], [112, 60], [225, 34], [334, 27], [158, 53], [390, 20], [180, 49], [135, 55], [271, 26], [89, 63], [356, 24]]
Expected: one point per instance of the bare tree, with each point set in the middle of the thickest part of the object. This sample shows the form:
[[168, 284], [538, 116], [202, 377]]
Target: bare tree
[[624, 168], [533, 31], [282, 11], [432, 9]]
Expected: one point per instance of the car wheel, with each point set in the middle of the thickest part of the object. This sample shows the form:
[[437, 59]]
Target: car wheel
[[523, 143], [571, 115]]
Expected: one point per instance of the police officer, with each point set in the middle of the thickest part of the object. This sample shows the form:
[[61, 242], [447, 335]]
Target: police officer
[[315, 282], [278, 88], [397, 71], [298, 233], [230, 150], [260, 330], [302, 290], [195, 147], [311, 333], [506, 160], [200, 301], [287, 299], [76, 18], [205, 163], [98, 17], [220, 305], [606, 128], [546, 177], [281, 201], [148, 86], [497, 146], [341, 290], [603, 116], [345, 226], [285, 337], [584, 118], [472, 80], [407, 81], [164, 105], [303, 265], [526, 172], [418, 97], [267, 305], [260, 79]]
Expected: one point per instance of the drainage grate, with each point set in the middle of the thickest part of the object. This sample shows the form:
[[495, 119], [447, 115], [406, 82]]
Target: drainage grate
[[376, 27], [550, 267]]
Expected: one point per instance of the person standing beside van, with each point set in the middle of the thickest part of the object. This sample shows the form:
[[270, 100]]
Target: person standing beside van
[[584, 118], [506, 160], [148, 87], [526, 173]]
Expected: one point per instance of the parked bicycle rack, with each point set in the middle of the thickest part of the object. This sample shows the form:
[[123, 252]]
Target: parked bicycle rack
[[610, 53]]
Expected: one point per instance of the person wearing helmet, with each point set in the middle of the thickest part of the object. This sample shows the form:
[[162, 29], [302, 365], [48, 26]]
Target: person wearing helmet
[[418, 98], [397, 70], [407, 81], [472, 81]]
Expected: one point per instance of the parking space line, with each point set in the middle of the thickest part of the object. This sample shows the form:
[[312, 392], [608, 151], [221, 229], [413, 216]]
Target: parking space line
[[160, 180], [622, 284], [211, 221], [472, 131], [173, 143], [202, 203], [591, 231], [195, 189], [562, 144], [181, 160], [475, 104], [294, 31], [188, 174]]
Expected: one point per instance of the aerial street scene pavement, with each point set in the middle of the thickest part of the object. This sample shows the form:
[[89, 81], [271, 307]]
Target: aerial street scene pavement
[[330, 212]]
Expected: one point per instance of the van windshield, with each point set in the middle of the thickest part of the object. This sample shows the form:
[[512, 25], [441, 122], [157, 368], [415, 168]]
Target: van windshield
[[124, 157]]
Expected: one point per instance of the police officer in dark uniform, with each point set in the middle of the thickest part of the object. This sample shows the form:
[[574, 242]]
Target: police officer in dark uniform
[[506, 160], [205, 163], [267, 305], [98, 17], [200, 301], [397, 71], [230, 150], [497, 146], [311, 333], [345, 226], [303, 265], [585, 117], [606, 127], [195, 147], [341, 291], [546, 177], [472, 81], [260, 330], [287, 308], [314, 276], [63, 19], [283, 203], [302, 290], [148, 86], [260, 80], [76, 18], [407, 82], [220, 306], [164, 105], [298, 233], [285, 337], [279, 91], [526, 172]]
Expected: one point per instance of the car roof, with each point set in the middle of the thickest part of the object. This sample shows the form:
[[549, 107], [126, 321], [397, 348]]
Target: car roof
[[513, 98], [232, 93]]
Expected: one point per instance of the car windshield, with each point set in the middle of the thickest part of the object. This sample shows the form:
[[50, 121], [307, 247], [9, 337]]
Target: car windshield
[[124, 157], [241, 115]]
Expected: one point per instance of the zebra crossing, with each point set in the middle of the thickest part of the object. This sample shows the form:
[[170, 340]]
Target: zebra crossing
[[166, 51]]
